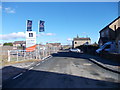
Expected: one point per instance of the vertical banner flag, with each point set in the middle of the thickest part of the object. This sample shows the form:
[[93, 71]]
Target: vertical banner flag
[[41, 26], [29, 25]]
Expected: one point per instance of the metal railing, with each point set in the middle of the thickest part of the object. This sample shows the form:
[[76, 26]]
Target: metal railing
[[39, 53]]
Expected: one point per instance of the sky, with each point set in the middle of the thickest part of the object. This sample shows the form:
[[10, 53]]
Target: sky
[[63, 20]]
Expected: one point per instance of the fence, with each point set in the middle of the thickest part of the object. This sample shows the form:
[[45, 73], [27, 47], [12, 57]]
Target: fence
[[39, 53]]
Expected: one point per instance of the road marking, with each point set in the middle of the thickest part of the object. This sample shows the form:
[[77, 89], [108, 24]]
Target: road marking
[[30, 68], [48, 57], [87, 64], [32, 63], [17, 76], [37, 64]]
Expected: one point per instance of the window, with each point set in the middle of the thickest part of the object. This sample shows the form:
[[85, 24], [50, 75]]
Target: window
[[102, 34], [114, 27], [75, 42], [107, 33], [30, 34]]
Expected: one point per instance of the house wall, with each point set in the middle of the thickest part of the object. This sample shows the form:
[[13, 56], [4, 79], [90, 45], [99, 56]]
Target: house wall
[[115, 24], [80, 42], [105, 33], [16, 45]]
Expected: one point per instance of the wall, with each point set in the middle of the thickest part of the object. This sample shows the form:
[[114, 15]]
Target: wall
[[80, 42]]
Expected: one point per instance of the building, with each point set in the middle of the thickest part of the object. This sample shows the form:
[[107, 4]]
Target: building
[[111, 33], [19, 43], [54, 44], [80, 41]]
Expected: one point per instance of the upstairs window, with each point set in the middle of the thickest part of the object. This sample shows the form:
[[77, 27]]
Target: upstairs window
[[114, 27]]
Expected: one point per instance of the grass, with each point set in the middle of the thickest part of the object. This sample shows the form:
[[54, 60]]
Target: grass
[[4, 60]]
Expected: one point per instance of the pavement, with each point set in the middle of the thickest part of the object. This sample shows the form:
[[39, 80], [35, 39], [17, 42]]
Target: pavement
[[104, 63], [65, 70]]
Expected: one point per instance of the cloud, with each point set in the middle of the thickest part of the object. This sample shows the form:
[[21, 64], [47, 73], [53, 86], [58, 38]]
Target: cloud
[[18, 35], [9, 10], [69, 39], [46, 34], [12, 36]]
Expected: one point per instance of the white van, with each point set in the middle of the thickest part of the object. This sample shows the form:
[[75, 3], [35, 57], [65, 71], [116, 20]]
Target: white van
[[108, 47]]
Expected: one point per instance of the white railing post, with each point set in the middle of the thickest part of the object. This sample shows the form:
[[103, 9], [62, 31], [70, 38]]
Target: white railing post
[[24, 54], [8, 55], [39, 55], [17, 55]]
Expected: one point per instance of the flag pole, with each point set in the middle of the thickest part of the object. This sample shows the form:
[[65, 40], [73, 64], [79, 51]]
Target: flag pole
[[38, 42]]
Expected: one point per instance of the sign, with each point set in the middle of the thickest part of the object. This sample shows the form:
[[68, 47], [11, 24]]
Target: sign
[[29, 25], [30, 38], [41, 26]]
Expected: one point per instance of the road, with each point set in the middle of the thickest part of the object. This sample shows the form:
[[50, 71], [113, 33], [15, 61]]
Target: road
[[65, 70]]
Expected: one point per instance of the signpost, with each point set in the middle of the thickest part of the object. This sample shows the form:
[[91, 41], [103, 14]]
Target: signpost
[[31, 35]]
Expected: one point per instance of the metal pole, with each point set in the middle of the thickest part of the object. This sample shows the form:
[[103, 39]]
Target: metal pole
[[38, 44]]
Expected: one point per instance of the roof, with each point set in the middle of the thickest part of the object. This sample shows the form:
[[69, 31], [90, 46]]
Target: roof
[[81, 39], [19, 42], [54, 44], [110, 24]]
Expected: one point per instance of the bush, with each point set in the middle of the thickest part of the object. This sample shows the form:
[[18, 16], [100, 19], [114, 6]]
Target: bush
[[91, 49], [7, 44]]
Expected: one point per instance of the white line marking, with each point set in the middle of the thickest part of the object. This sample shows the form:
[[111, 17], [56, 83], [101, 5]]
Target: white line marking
[[17, 75], [88, 64], [30, 68], [49, 57], [37, 64], [32, 63], [28, 65]]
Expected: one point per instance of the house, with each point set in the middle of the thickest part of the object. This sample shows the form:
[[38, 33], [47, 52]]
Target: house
[[111, 33], [80, 41], [54, 44], [19, 43]]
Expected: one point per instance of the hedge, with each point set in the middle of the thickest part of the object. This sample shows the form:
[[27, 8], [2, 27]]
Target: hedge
[[90, 49]]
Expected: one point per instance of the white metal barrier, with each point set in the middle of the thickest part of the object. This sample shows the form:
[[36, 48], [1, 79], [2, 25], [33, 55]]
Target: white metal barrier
[[39, 53]]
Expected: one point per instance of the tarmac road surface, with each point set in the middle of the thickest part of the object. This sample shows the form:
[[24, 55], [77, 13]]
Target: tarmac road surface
[[65, 70]]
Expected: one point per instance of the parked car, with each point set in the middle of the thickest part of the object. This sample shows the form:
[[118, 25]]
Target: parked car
[[75, 50], [108, 47]]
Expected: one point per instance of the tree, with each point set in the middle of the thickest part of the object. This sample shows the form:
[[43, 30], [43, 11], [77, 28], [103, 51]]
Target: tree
[[7, 44]]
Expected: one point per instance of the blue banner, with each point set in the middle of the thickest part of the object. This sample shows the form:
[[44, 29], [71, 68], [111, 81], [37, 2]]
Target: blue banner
[[41, 26], [29, 25]]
